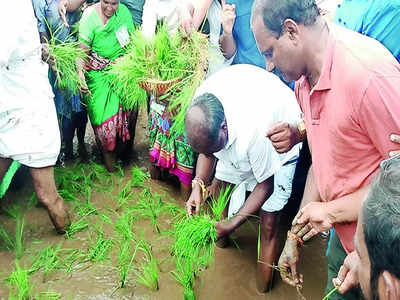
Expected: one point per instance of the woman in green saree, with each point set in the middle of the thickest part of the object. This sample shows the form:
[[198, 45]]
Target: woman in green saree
[[104, 31]]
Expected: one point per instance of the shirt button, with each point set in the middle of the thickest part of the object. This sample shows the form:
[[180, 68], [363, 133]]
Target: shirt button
[[340, 20], [338, 5]]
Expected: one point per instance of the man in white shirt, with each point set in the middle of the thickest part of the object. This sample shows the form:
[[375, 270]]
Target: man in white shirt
[[227, 121]]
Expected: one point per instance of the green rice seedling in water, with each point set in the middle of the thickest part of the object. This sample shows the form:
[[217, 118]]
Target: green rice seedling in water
[[148, 272], [123, 226], [48, 296], [218, 204], [125, 259], [19, 285], [124, 195], [19, 237], [17, 242], [47, 260], [138, 177], [75, 227], [7, 239], [100, 249], [185, 275]]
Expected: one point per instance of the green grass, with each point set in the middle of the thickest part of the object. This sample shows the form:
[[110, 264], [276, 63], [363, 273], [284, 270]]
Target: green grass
[[147, 274], [19, 284]]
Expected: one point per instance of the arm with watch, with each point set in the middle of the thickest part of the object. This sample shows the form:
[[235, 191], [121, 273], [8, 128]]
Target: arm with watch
[[284, 135]]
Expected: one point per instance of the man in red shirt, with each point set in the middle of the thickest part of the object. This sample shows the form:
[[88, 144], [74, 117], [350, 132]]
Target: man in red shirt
[[348, 89]]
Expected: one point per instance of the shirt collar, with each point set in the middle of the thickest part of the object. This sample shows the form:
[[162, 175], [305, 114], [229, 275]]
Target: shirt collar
[[324, 81]]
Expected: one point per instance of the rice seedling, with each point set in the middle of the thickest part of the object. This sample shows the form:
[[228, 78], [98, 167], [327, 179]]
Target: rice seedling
[[331, 292], [147, 274], [17, 242], [124, 195], [75, 227], [125, 259], [138, 177], [47, 260], [7, 239], [19, 285], [123, 226], [19, 237], [65, 55], [185, 276], [100, 249], [48, 296], [218, 204]]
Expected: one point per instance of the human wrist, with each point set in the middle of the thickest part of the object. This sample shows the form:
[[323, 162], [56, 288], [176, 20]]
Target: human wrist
[[294, 238]]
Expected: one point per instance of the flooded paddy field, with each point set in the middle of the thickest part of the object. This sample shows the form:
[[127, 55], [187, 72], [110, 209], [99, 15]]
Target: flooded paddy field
[[75, 274]]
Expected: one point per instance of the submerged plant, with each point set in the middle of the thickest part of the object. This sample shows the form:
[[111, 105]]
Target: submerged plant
[[19, 285], [123, 226], [47, 260], [147, 274], [15, 242], [125, 259], [124, 195]]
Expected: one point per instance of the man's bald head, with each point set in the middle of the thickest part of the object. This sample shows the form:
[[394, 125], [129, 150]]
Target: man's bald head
[[204, 120]]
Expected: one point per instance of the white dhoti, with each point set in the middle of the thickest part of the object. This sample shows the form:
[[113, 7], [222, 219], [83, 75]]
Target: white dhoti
[[283, 179], [29, 130]]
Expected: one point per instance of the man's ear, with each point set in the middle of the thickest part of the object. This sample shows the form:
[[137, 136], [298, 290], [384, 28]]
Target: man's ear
[[291, 28], [388, 286]]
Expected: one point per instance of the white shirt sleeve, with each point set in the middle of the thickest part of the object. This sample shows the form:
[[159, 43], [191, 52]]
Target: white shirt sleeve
[[264, 160], [149, 18]]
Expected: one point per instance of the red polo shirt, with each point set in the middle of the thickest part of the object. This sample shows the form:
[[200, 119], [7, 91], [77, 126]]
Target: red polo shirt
[[349, 116]]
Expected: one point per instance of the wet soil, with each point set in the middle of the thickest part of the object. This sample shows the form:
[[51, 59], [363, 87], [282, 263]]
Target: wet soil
[[231, 276]]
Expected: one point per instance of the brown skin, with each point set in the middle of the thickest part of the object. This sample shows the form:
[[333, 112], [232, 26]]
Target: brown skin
[[356, 270], [46, 192], [226, 41]]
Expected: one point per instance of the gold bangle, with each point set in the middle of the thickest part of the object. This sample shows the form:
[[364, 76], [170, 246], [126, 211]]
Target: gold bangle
[[200, 182]]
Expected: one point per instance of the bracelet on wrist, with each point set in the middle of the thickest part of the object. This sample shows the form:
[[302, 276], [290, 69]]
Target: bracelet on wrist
[[295, 237], [200, 182]]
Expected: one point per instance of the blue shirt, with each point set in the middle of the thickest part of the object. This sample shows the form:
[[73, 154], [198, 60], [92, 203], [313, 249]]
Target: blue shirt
[[378, 19], [46, 12]]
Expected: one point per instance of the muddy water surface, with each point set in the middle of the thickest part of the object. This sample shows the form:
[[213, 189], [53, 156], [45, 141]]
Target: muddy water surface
[[231, 276]]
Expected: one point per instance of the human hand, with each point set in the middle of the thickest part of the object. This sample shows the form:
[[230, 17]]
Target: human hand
[[396, 139], [185, 16], [47, 57], [288, 263], [213, 189], [83, 86], [283, 136], [194, 202], [223, 228], [62, 11], [347, 277], [315, 213], [228, 17]]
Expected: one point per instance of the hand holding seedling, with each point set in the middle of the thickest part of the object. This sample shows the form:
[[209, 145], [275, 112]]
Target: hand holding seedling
[[347, 277], [283, 136], [185, 16], [223, 228], [288, 263], [47, 57], [195, 200], [228, 17], [395, 138], [315, 213]]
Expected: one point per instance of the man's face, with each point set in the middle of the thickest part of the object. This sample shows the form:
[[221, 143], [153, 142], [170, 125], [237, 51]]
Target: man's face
[[283, 53], [109, 7], [364, 266]]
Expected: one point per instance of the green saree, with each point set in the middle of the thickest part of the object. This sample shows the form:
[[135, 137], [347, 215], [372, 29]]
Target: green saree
[[109, 119]]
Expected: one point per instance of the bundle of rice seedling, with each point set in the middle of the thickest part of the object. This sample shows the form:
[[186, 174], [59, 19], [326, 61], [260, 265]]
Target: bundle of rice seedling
[[218, 204]]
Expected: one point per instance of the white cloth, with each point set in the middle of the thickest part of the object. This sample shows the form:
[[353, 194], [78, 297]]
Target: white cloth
[[156, 10], [253, 99], [28, 122]]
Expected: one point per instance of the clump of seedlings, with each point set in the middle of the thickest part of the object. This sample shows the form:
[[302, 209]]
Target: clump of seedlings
[[138, 177], [193, 248], [47, 260], [19, 285], [147, 274], [75, 227], [125, 259], [124, 195], [218, 204], [15, 242], [100, 249]]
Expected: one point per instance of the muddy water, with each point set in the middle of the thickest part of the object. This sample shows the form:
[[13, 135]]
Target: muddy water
[[231, 276]]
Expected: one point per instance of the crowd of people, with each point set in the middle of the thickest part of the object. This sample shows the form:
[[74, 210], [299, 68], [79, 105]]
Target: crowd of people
[[283, 76]]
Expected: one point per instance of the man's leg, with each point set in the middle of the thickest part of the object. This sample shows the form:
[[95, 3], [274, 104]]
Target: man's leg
[[336, 256], [46, 192], [268, 251], [4, 165], [79, 120]]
